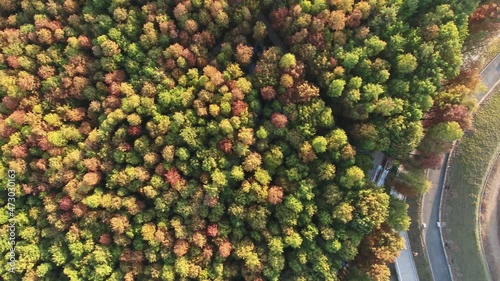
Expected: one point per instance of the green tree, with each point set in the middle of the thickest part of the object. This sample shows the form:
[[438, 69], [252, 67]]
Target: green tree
[[336, 87], [406, 63], [446, 131], [412, 183], [287, 61], [319, 144], [398, 215]]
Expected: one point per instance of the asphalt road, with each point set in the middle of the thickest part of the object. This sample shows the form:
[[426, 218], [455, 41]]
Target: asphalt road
[[430, 213], [490, 76], [430, 216]]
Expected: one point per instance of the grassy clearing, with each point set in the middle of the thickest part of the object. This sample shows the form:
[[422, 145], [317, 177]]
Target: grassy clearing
[[414, 234], [474, 155]]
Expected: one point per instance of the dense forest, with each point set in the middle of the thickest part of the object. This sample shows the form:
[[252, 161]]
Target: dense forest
[[220, 139]]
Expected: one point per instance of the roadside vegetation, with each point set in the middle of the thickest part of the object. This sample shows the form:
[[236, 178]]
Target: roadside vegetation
[[483, 43], [479, 49], [416, 241], [221, 140], [474, 155]]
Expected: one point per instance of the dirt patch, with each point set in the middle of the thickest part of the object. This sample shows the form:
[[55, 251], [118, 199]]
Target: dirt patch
[[490, 221], [481, 46]]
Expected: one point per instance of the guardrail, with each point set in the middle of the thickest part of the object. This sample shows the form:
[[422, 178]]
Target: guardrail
[[440, 215]]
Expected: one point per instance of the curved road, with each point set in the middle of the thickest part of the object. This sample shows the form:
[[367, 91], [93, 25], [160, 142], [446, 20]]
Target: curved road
[[432, 199]]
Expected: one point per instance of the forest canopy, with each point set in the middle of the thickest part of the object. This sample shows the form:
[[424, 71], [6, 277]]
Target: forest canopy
[[218, 140]]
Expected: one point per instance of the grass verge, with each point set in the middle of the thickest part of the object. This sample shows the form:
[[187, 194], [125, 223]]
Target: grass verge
[[482, 44], [415, 236], [492, 51], [472, 160]]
